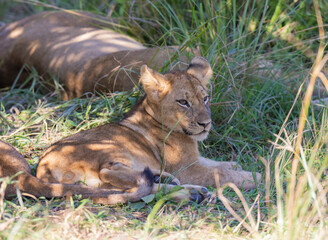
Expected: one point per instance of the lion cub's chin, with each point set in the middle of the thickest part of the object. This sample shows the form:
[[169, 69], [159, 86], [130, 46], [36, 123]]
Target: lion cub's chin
[[200, 137]]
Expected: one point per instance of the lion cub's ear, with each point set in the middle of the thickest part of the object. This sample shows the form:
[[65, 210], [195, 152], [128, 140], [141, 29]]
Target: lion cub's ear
[[201, 69], [154, 83]]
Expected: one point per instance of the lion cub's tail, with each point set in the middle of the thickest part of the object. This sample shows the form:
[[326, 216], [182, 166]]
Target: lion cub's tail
[[12, 162]]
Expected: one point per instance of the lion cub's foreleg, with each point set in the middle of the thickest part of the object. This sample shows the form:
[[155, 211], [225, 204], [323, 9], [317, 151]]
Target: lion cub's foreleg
[[211, 163], [203, 175], [231, 172]]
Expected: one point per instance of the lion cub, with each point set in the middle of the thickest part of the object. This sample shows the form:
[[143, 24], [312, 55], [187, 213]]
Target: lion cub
[[162, 129]]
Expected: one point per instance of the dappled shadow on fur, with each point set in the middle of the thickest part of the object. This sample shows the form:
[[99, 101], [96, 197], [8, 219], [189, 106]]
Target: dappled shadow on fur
[[11, 163], [80, 49]]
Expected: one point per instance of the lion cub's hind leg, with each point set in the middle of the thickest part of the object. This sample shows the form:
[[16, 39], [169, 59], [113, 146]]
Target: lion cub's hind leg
[[120, 176], [71, 175], [145, 185], [125, 178]]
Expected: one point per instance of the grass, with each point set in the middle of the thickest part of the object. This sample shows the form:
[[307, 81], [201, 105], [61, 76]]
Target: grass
[[262, 53]]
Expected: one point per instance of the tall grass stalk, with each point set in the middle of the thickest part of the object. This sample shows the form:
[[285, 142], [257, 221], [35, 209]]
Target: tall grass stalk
[[305, 216], [318, 65]]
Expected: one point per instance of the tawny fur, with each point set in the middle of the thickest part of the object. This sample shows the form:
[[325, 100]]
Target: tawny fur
[[12, 162], [79, 49], [163, 129]]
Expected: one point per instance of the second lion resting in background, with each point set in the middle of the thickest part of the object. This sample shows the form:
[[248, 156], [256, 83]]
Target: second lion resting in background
[[84, 52]]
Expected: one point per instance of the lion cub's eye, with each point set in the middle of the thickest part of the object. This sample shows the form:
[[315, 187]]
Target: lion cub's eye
[[206, 99], [183, 103]]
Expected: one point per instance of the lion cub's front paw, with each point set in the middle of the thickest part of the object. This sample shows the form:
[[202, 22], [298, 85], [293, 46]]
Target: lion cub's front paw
[[191, 193], [247, 180], [197, 195]]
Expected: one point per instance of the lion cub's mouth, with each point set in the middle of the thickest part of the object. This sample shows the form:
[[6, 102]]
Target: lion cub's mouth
[[194, 134]]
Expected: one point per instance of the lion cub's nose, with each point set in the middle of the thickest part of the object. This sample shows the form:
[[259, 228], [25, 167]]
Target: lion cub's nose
[[204, 124]]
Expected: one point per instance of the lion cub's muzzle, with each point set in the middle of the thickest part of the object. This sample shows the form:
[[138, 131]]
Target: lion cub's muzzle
[[200, 128], [205, 124]]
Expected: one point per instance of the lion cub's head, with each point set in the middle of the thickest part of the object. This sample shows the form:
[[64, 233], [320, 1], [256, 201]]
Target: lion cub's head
[[180, 100]]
